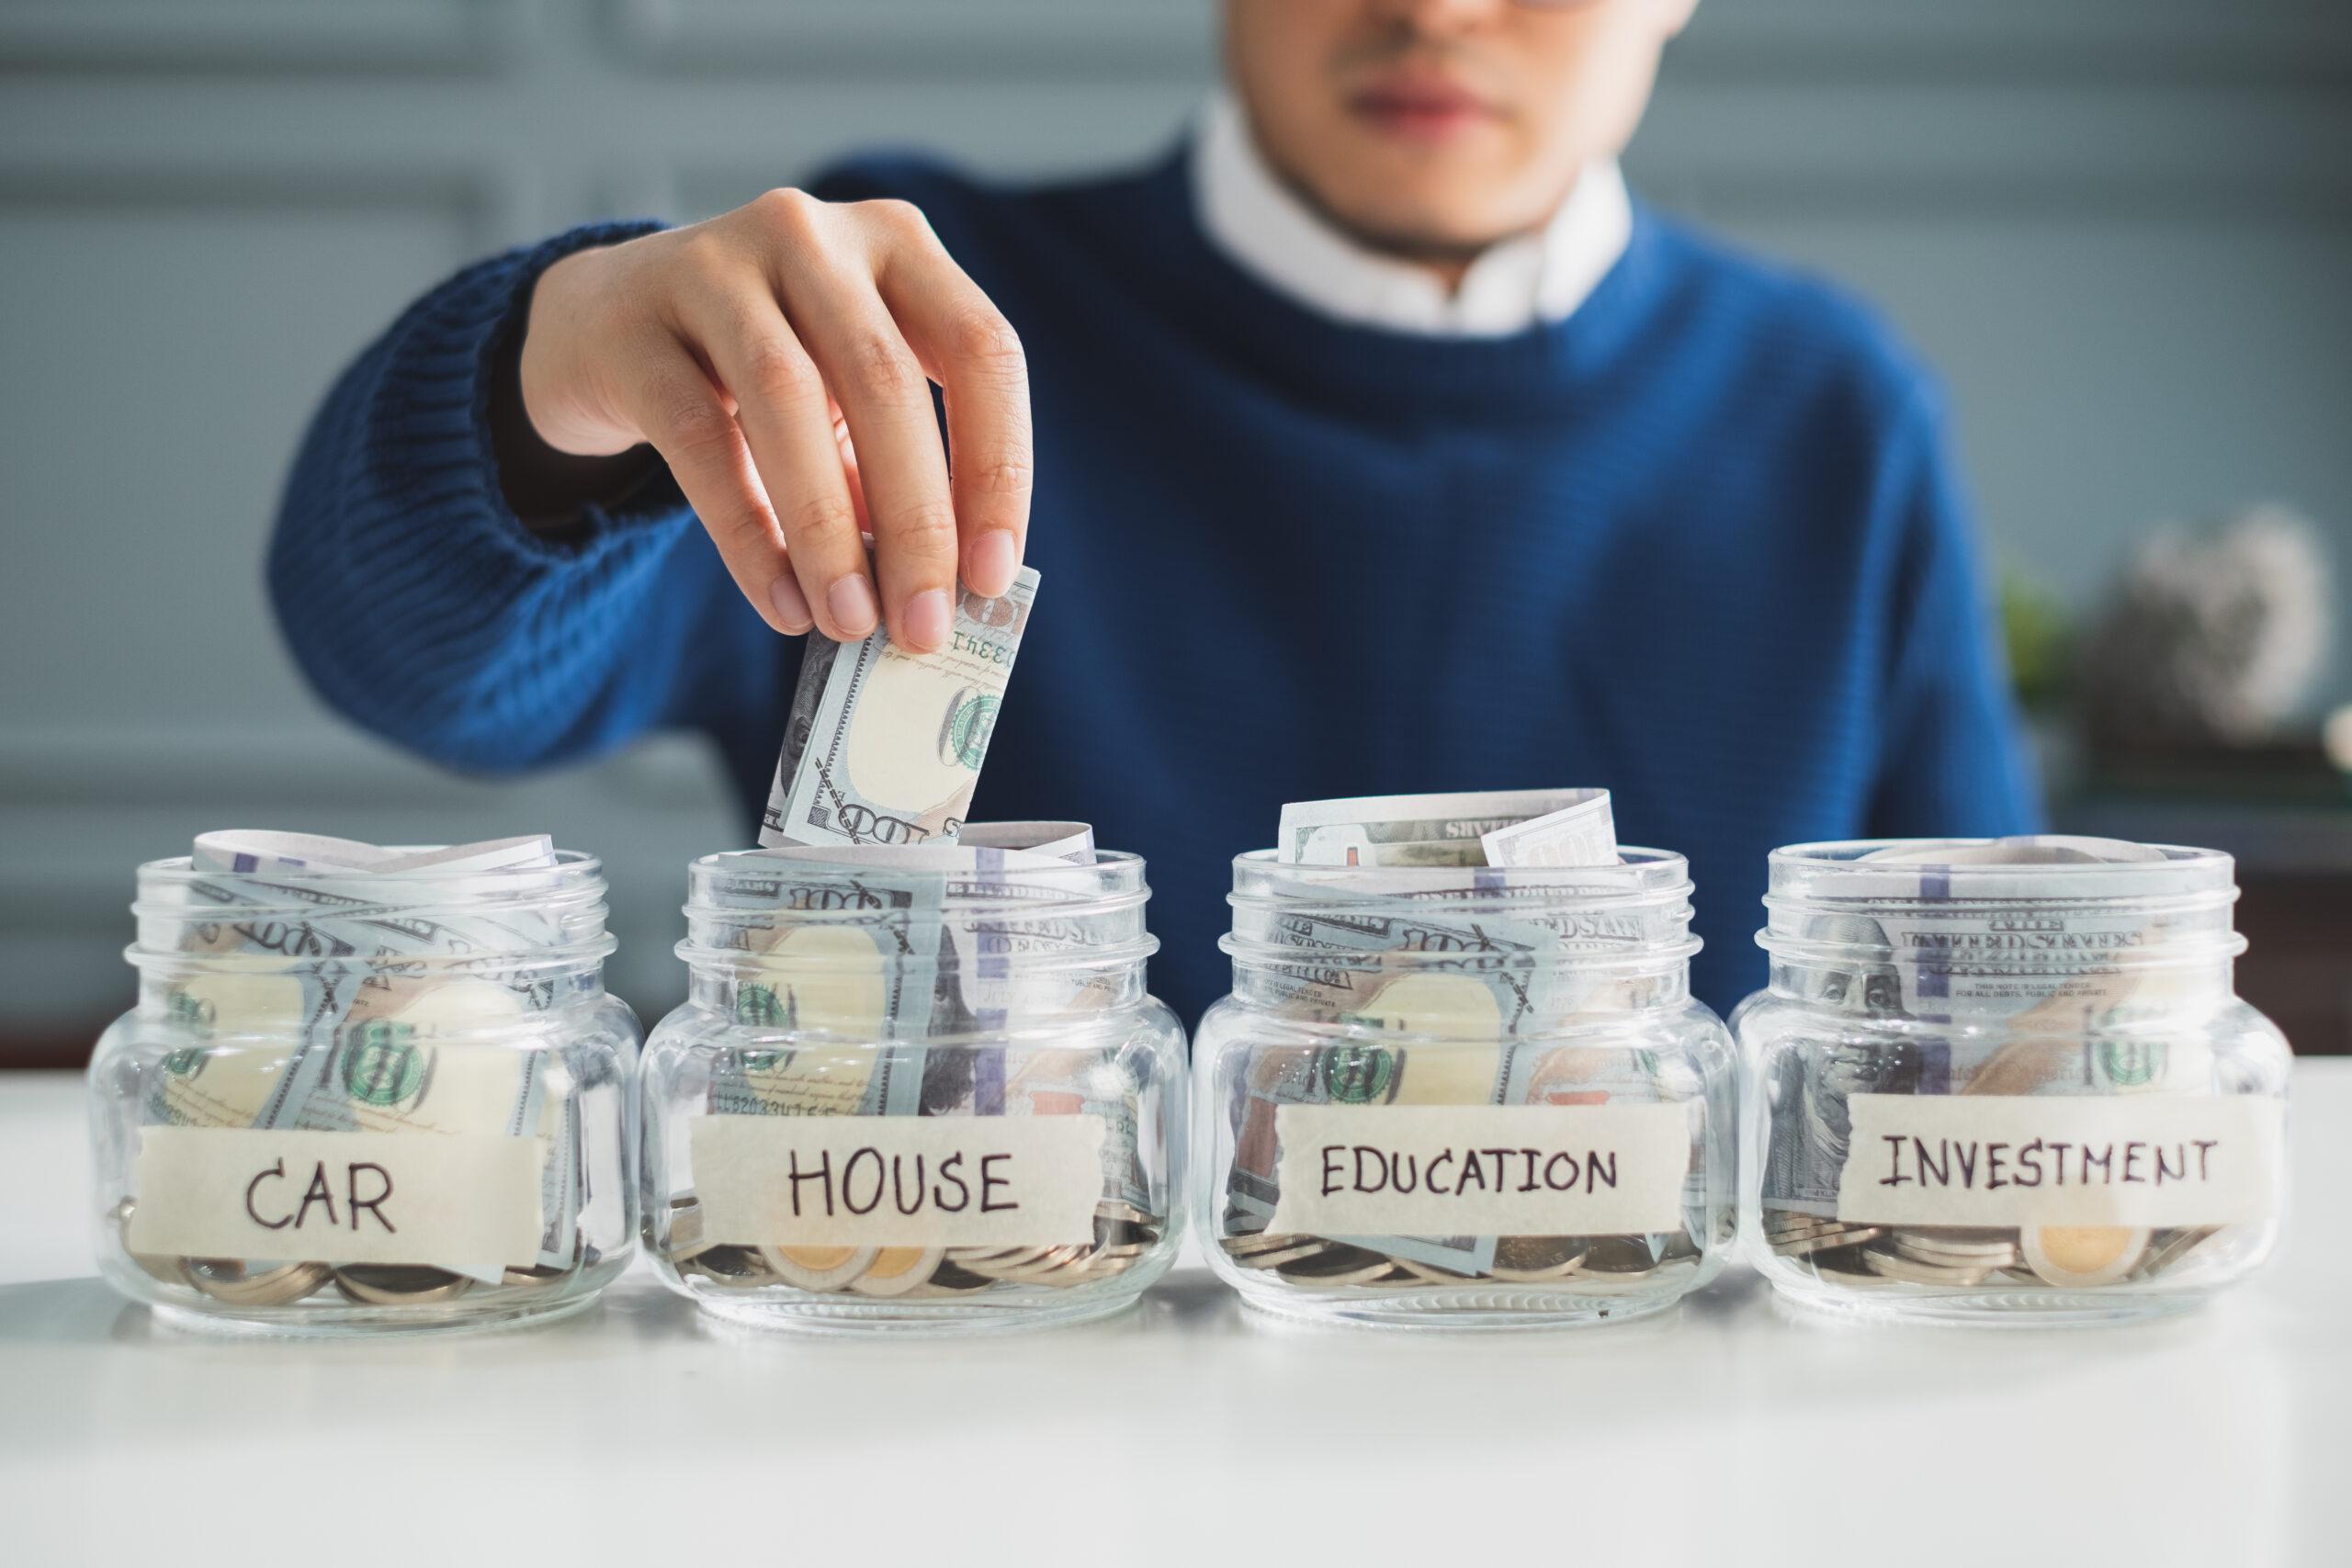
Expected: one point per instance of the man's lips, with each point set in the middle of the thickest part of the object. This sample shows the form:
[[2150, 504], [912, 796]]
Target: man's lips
[[1423, 106]]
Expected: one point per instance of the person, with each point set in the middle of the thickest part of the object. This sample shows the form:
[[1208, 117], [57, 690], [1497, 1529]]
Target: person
[[1374, 440]]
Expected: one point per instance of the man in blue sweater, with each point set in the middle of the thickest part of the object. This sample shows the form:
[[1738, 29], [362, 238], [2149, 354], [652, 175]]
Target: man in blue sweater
[[1379, 442]]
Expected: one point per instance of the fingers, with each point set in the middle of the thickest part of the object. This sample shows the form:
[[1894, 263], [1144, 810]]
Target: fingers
[[780, 314], [970, 348], [681, 415], [831, 300], [785, 416]]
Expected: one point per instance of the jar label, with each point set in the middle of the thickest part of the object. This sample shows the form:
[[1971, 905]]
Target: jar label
[[1481, 1169], [2018, 1160], [898, 1181], [466, 1202]]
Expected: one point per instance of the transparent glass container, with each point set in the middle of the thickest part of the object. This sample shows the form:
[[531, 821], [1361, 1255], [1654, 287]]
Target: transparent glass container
[[930, 1095], [362, 1103], [1463, 1098], [2006, 1082]]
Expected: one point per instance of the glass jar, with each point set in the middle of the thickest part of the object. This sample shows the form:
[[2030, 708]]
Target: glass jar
[[914, 1088], [1464, 1098], [2008, 1082], [364, 1102]]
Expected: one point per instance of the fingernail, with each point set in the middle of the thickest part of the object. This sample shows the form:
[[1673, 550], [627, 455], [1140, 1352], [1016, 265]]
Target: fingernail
[[989, 568], [926, 619], [791, 605], [852, 603]]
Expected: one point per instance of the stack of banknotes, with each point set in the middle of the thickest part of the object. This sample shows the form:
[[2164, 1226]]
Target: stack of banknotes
[[892, 940], [2024, 1020], [394, 1016], [1483, 962]]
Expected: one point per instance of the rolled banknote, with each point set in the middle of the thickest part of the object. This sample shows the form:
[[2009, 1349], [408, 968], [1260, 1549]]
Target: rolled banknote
[[1543, 827], [367, 995], [1581, 834], [1072, 841], [1948, 951], [884, 747]]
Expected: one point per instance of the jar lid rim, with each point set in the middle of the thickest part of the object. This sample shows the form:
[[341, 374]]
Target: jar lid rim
[[572, 868]]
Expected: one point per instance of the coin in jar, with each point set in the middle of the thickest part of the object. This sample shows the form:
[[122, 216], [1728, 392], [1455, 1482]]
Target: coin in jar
[[1534, 1259], [239, 1284], [394, 1284], [897, 1270], [2083, 1256], [817, 1267]]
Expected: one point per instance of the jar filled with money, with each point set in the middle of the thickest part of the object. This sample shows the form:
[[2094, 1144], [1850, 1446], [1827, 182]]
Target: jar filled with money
[[1463, 1095], [2008, 1080], [916, 1089], [366, 1089]]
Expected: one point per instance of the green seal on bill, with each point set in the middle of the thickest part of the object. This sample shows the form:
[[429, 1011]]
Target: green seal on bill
[[1359, 1075], [380, 1066], [968, 728]]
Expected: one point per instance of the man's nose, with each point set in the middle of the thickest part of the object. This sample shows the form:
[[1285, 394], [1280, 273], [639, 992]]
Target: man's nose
[[1440, 17]]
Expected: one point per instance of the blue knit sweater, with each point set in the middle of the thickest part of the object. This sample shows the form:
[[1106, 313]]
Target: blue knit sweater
[[1699, 543]]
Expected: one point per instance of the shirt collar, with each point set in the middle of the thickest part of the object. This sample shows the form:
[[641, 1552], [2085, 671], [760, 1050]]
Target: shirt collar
[[1536, 279]]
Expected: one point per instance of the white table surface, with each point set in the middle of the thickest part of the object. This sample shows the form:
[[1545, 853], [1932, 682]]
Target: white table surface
[[1189, 1431]]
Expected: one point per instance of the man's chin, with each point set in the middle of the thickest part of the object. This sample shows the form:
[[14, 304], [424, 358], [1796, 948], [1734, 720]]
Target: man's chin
[[1440, 232]]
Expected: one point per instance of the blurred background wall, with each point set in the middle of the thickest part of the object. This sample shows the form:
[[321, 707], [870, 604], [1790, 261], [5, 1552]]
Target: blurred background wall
[[2121, 228]]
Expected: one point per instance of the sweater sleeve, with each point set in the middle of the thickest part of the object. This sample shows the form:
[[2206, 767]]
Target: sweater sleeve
[[1954, 761], [420, 607]]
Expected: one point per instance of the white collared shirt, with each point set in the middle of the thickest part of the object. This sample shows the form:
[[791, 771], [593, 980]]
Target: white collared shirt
[[1539, 277]]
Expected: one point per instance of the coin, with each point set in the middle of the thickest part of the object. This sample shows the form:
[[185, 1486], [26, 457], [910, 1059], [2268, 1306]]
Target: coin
[[817, 1267], [1827, 1241], [1026, 1264], [1956, 1243], [736, 1266], [951, 1279], [1248, 1242], [1431, 1274], [1912, 1271], [2171, 1247], [391, 1284], [1337, 1266], [1945, 1252], [685, 1228], [228, 1279], [1850, 1271], [1057, 1260], [1533, 1259], [1622, 1255], [897, 1270], [159, 1265], [2084, 1257], [1271, 1258]]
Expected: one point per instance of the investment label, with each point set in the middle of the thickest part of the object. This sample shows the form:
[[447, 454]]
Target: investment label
[[2014, 1160]]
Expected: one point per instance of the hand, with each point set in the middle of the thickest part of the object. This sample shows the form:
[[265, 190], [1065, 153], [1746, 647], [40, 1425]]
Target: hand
[[779, 358]]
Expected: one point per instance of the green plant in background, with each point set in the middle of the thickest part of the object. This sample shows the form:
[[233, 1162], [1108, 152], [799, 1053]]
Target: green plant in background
[[2039, 633]]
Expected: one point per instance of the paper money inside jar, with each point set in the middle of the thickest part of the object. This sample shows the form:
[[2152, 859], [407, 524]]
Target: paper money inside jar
[[366, 1089], [2008, 1080], [914, 1087], [1461, 1081]]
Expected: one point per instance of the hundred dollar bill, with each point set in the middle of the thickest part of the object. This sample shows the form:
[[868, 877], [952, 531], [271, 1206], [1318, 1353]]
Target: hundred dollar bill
[[1957, 945], [1072, 841], [1276, 1076], [927, 945], [1581, 834], [1440, 830], [884, 747], [365, 992]]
